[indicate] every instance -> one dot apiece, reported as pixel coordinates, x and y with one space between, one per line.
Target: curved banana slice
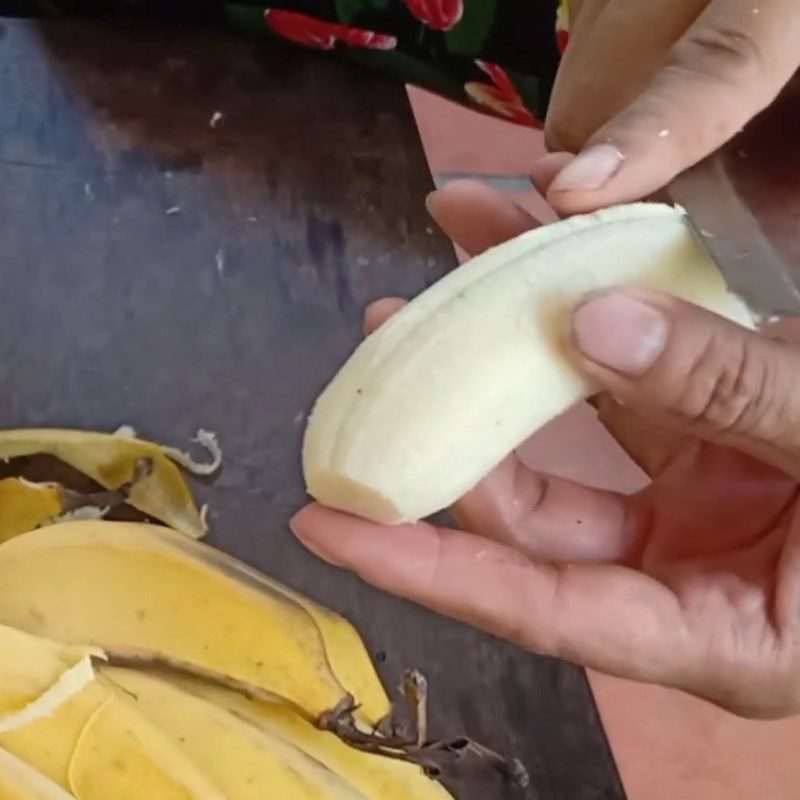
460 377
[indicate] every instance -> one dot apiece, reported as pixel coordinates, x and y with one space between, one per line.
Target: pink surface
672 747
483 144
668 746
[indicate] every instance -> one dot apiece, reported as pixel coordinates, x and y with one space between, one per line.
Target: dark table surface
164 273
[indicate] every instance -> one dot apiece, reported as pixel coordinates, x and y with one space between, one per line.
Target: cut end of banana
341 493
433 400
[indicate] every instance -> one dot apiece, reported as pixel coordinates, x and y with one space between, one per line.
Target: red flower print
438 14
502 97
318 33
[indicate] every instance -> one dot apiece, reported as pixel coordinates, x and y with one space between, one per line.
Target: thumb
729 65
694 371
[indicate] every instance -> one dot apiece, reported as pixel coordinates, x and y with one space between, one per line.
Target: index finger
606 617
730 64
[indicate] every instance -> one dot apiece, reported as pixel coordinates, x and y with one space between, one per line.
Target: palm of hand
718 563
693 582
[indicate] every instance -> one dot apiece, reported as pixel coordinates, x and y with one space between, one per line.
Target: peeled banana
461 376
146 593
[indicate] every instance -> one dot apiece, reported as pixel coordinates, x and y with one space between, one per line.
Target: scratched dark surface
164 273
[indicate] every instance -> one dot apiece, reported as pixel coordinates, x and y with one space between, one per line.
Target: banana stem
394 737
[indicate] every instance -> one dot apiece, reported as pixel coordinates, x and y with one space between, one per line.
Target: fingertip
397 559
452 199
379 311
326 533
545 169
301 524
476 216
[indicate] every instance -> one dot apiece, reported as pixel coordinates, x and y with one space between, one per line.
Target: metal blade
733 238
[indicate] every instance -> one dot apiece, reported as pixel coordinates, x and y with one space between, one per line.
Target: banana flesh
465 373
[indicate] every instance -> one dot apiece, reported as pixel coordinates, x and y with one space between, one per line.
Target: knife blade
731 235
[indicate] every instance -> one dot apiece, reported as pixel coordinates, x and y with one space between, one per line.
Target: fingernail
591 169
620 332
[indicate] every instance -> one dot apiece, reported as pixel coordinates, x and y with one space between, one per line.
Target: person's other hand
694 582
646 89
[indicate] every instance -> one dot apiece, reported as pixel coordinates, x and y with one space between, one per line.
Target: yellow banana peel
145 592
347 655
120 754
19 781
245 762
76 729
114 460
344 649
37 675
25 505
375 776
225 683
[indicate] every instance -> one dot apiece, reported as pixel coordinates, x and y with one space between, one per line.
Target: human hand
647 89
693 582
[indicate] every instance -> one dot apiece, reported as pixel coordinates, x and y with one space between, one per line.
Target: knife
731 235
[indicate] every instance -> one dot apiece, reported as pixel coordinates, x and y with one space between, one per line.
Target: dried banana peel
245 762
80 732
145 592
25 506
460 377
115 461
376 777
19 781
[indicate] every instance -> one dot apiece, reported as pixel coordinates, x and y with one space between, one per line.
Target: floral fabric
499 56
